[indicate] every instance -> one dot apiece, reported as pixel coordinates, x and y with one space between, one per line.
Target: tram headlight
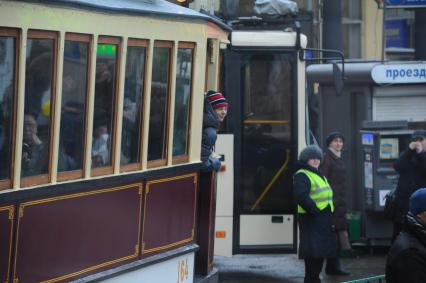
184 3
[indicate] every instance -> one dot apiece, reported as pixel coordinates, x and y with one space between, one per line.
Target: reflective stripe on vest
320 193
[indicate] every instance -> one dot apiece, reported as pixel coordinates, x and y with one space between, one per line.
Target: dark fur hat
310 152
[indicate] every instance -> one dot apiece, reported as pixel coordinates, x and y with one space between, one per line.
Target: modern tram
100 137
264 80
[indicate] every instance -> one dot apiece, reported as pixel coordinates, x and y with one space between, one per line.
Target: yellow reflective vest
320 193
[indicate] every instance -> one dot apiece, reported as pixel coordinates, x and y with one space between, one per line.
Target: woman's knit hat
418 201
216 99
332 136
310 152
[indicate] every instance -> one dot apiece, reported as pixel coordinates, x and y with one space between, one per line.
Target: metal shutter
399 103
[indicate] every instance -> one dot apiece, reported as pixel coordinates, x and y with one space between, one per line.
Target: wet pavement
288 268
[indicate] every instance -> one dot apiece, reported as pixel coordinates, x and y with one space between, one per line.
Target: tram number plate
182 270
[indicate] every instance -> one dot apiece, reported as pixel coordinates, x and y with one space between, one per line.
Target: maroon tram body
94 226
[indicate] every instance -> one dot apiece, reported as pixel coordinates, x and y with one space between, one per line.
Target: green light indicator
107 49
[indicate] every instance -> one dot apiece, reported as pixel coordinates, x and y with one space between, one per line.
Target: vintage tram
100 136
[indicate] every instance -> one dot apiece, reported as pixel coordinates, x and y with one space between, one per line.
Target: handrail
266 121
269 186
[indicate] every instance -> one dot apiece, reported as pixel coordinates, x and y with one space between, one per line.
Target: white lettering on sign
399 74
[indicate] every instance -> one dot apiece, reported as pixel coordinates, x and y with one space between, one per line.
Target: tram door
261 89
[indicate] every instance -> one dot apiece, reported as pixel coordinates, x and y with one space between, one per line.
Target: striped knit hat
216 99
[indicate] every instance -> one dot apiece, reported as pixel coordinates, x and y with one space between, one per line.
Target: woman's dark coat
406 261
333 167
210 127
317 237
412 176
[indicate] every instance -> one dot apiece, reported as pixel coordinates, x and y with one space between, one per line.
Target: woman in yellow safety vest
314 199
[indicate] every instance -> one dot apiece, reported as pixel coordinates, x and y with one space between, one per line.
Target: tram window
7 94
182 99
39 79
105 89
268 76
266 136
157 137
74 97
133 103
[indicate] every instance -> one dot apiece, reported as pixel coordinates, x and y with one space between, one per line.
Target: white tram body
265 81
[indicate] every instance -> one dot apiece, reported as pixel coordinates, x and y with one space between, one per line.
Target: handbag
343 240
390 205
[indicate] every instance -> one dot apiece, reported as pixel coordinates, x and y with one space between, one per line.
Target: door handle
277 219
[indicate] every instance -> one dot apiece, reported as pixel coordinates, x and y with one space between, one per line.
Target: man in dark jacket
215 110
407 257
411 166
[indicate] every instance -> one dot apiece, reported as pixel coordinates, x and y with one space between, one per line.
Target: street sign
399 73
405 3
397 33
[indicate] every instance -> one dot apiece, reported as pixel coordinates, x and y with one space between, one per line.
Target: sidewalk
288 268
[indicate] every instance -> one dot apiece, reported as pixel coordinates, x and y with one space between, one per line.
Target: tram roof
138 7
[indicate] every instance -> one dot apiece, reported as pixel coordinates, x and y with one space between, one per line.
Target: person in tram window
5 125
32 147
314 199
70 141
6 95
411 166
333 168
406 261
215 110
100 143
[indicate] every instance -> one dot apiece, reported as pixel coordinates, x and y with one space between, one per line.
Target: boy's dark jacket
210 127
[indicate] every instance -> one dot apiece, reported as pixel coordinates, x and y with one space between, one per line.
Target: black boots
333 267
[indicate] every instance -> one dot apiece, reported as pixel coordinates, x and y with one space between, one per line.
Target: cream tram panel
119 105
225 193
25 16
60 58
146 104
267 38
172 102
260 230
20 110
302 132
179 269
